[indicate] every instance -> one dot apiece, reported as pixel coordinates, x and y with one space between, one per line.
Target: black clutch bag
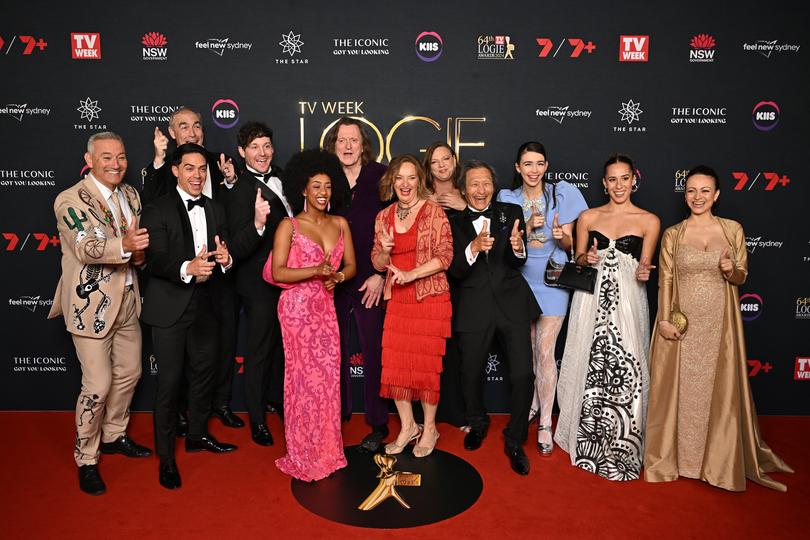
570 275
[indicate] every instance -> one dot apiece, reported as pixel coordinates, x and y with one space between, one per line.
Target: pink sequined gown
306 311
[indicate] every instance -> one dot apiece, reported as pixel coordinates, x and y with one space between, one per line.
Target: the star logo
89 109
492 363
291 43
630 111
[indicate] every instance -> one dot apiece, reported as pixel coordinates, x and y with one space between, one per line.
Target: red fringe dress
414 332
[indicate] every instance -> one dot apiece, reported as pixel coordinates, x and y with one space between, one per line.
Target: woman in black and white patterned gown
602 389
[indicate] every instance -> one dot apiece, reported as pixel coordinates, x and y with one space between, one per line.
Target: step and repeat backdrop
673 86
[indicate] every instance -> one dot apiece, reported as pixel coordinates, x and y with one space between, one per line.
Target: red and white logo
702 48
29 43
771 181
634 48
85 45
802 371
154 46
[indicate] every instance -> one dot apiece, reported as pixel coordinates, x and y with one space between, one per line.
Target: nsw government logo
702 48
558 113
85 45
765 115
492 47
751 306
154 46
803 307
225 113
356 366
428 46
634 48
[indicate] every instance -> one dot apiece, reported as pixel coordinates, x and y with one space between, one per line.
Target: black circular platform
450 485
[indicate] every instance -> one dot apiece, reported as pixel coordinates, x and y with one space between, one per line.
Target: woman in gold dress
701 421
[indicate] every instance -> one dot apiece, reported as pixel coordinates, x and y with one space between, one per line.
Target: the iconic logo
680 180
85 45
18 111
429 46
577 45
40 364
634 48
765 115
41 241
558 113
754 242
27 178
495 48
89 109
370 46
773 179
151 113
154 46
803 307
751 306
29 43
579 179
802 370
702 48
218 46
767 47
225 113
698 115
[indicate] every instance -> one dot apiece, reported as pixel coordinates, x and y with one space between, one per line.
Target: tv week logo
634 48
85 45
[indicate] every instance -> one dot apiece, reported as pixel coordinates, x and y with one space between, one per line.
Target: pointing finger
202 251
259 195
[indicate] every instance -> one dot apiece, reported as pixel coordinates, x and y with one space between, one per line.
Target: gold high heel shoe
424 451
393 448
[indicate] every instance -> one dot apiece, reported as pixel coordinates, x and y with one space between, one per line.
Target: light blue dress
569 205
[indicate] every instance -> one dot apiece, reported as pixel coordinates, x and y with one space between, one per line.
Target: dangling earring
329 206
605 190
635 187
305 204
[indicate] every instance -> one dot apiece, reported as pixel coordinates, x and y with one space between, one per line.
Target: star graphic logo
630 111
89 109
492 363
291 43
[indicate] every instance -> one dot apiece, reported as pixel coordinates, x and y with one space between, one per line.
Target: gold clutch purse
679 320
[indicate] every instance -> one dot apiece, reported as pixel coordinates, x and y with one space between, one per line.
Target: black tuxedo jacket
250 251
171 243
159 182
494 278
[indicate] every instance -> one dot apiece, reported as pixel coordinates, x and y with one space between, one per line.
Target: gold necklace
404 211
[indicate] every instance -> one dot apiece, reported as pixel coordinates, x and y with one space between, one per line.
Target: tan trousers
111 367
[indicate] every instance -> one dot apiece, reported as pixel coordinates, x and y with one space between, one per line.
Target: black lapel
185 225
210 223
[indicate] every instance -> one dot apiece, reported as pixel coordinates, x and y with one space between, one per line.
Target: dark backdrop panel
50 103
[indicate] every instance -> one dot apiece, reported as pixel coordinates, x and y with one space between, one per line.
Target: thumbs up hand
725 264
262 210
556 229
592 256
136 239
643 269
516 238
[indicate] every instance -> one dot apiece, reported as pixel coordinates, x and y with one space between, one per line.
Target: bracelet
342 277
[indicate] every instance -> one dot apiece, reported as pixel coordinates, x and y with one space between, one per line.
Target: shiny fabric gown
602 389
702 422
306 311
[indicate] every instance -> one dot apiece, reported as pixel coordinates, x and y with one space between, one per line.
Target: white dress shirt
274 183
199 229
478 224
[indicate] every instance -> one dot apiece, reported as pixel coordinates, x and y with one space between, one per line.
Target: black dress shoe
275 407
125 445
168 475
473 439
226 416
373 441
90 480
209 443
517 458
182 425
261 435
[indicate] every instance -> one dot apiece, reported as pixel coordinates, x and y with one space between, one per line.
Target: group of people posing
428 264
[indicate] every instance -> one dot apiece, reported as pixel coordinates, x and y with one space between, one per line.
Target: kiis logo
154 46
29 44
702 48
765 115
225 113
774 180
429 46
751 306
85 45
634 48
803 307
577 46
802 369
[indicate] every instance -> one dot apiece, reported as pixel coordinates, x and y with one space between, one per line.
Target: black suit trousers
264 362
228 306
188 346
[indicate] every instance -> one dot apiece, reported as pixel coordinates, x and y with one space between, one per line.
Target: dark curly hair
303 166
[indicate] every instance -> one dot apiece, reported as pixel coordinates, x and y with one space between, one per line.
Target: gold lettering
406 120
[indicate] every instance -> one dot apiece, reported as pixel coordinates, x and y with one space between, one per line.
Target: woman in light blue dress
550 210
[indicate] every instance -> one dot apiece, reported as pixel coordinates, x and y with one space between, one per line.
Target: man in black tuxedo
493 301
179 304
256 205
185 126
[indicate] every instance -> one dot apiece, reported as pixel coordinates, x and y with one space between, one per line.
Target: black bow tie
263 177
199 202
475 215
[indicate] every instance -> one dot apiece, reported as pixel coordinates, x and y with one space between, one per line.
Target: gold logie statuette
389 480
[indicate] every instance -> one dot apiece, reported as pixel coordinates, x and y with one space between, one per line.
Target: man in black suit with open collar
188 255
494 301
256 205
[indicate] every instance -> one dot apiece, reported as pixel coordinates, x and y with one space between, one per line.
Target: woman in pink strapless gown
307 252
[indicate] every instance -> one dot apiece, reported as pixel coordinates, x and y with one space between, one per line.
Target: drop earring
635 187
305 204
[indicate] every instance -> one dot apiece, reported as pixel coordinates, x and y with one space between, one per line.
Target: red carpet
243 495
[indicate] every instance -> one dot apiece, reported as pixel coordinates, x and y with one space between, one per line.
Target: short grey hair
102 136
182 110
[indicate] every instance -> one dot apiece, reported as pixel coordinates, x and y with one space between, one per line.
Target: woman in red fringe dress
413 242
